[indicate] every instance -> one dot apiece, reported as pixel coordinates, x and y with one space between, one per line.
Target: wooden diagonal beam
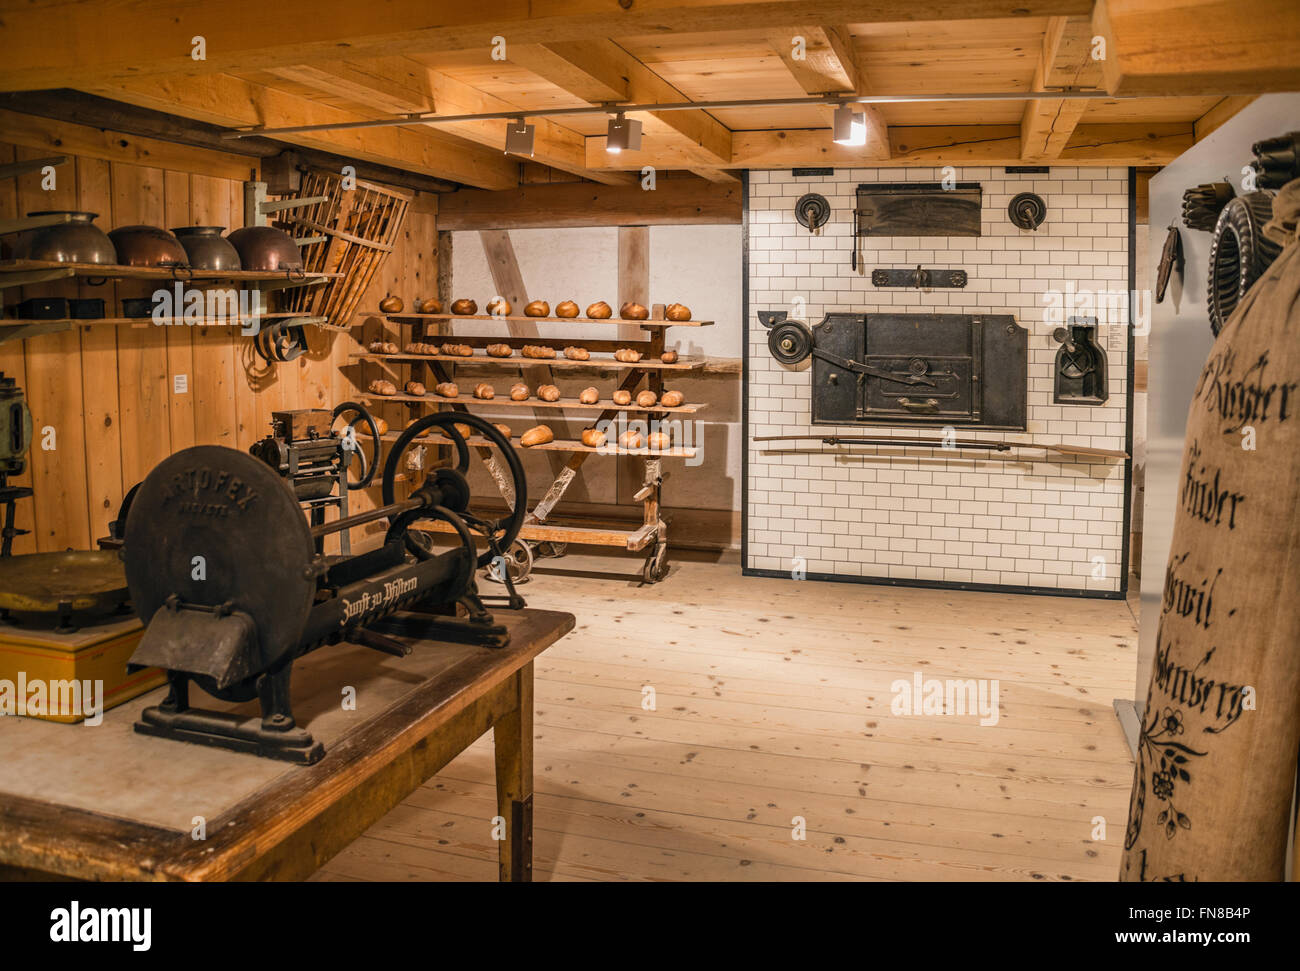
1065 63
393 84
221 99
50 45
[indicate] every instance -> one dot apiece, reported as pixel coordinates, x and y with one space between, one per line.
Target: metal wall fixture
812 211
921 278
1027 211
1080 367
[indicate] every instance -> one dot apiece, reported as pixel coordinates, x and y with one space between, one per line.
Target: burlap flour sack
1221 731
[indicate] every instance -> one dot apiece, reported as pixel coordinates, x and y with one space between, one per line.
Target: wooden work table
106 803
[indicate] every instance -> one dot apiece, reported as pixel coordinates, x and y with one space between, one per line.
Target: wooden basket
360 226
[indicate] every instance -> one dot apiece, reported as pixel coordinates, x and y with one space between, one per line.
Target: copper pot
207 249
266 248
77 241
148 246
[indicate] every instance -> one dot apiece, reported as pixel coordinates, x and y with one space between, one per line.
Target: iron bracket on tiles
921 278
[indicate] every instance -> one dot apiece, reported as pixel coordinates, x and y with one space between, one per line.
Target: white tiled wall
933 515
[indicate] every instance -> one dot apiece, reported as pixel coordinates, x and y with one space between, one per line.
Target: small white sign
180 384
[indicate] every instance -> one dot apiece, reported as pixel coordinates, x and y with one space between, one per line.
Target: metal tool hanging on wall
1240 252
812 212
1171 262
1277 160
1202 204
1027 211
1080 367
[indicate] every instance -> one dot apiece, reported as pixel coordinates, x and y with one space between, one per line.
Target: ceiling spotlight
519 137
623 134
850 126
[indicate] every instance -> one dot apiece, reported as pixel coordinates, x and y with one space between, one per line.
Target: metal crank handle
928 405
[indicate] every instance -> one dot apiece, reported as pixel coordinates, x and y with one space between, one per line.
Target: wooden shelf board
633 540
413 318
559 445
571 404
116 271
515 361
166 321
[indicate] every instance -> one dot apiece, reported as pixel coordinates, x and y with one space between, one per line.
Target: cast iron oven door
908 369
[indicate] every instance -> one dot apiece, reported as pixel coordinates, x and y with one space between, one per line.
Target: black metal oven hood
968 370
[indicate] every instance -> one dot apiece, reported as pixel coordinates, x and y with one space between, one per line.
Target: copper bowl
266 248
77 241
207 249
148 246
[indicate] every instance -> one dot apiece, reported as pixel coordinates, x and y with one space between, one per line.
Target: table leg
513 737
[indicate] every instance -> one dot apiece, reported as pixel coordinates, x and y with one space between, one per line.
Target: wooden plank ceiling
1178 60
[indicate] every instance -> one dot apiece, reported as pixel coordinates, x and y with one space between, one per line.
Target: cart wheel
552 549
656 564
518 563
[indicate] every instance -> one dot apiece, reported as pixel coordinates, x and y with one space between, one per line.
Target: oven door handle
868 370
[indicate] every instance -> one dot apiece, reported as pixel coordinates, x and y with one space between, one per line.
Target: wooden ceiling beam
1066 63
822 61
78 45
228 101
593 70
1199 47
393 84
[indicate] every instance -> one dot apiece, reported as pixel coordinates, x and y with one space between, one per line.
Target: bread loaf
577 353
430 306
499 350
599 310
538 351
464 308
537 308
622 397
668 357
630 439
391 304
457 350
519 392
484 392
421 434
548 392
381 387
566 308
503 429
499 307
379 424
659 440
465 430
627 355
633 311
383 347
593 437
415 388
536 436
447 390
645 399
589 396
677 311
672 399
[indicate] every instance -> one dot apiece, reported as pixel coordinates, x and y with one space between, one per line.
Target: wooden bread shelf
415 318
164 322
569 404
11 270
516 361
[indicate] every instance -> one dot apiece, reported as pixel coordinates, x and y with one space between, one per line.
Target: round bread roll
391 304
627 355
423 434
645 399
447 390
537 308
381 387
415 388
677 311
622 397
536 436
484 392
430 306
566 308
659 440
593 437
465 430
548 392
630 439
519 392
588 396
499 350
577 353
668 357
672 399
599 310
380 424
464 308
503 429
633 311
499 307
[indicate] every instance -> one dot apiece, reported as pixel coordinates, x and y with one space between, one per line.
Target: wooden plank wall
108 392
